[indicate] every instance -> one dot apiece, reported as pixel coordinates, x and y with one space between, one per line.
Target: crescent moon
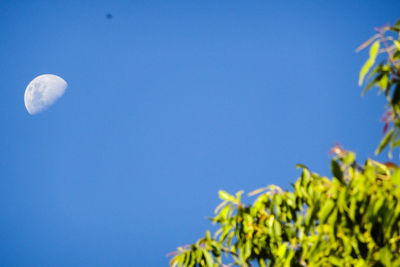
43 91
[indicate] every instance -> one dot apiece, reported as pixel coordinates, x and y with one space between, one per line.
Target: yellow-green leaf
326 210
396 176
373 52
225 196
397 43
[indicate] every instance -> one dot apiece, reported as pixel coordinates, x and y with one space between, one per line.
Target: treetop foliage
385 76
351 219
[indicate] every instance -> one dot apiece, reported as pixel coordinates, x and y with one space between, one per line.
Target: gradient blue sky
168 102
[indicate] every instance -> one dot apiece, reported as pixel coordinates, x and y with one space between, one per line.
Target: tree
352 219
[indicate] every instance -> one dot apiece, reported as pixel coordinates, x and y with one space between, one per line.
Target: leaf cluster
385 76
350 219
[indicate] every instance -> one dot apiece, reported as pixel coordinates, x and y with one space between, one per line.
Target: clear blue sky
168 102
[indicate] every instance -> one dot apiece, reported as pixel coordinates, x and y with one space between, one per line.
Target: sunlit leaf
396 177
326 210
373 52
209 258
225 196
397 43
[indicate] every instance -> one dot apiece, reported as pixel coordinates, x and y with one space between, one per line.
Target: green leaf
336 170
225 196
181 259
229 239
208 235
326 210
247 249
373 52
209 258
381 168
396 144
396 177
277 229
335 261
377 206
220 206
383 82
349 158
239 195
301 166
188 256
352 209
397 43
224 212
385 256
384 142
261 262
370 85
282 250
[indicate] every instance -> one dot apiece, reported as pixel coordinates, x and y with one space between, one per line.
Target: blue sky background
167 103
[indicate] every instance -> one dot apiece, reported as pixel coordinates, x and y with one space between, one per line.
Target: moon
43 91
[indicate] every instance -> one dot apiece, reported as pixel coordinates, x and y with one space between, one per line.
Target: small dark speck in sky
109 16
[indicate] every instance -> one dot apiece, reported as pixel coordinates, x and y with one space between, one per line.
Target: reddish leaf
385 128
